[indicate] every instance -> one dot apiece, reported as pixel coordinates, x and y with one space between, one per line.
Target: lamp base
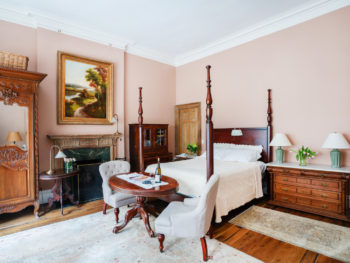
335 158
51 171
279 155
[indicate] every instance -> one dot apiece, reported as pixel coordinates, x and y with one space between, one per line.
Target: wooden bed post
269 126
141 160
209 128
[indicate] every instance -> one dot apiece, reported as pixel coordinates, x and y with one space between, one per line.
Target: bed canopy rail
269 126
209 127
140 120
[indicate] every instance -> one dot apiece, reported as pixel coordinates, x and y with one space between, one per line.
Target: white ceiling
170 31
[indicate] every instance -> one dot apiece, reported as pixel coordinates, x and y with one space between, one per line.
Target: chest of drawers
315 189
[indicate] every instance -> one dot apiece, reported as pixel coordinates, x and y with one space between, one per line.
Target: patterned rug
90 239
324 238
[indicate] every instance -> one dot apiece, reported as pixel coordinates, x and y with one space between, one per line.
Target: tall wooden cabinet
19 162
155 144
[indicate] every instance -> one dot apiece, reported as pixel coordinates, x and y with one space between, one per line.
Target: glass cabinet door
160 137
147 135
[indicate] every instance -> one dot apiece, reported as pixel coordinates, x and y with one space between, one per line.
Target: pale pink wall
48 43
41 46
20 40
158 82
306 66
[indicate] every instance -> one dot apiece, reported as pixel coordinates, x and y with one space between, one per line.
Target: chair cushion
118 199
173 208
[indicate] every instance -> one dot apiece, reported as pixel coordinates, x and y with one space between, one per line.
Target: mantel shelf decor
88 141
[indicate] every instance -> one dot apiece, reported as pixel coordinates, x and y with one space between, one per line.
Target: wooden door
187 126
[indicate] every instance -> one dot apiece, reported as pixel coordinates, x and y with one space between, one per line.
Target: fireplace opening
87 185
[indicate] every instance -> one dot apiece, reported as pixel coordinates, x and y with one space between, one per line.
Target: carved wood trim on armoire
19 168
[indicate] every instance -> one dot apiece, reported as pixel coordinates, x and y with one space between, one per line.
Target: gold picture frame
84 90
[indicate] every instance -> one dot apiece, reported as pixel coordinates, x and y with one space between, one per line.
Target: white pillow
235 155
240 155
258 148
219 154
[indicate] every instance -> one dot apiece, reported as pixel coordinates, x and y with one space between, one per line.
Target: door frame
177 124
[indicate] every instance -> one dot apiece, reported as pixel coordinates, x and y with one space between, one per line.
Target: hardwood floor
257 245
267 248
23 220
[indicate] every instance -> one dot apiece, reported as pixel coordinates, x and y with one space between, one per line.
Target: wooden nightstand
317 189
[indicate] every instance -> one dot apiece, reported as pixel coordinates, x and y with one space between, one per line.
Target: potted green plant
192 148
302 154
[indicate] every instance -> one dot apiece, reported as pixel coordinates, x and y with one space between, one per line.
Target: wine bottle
158 172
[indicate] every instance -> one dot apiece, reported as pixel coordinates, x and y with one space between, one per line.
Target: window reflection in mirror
14 125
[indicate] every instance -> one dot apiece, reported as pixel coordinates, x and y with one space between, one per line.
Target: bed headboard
251 136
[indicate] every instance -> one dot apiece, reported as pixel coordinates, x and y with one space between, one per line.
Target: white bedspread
239 182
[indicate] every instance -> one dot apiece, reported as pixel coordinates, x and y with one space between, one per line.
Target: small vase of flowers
192 148
302 154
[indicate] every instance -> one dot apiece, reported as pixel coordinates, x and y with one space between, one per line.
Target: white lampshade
114 118
236 132
60 154
336 140
280 139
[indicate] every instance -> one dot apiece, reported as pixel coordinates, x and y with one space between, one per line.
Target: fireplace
89 151
87 185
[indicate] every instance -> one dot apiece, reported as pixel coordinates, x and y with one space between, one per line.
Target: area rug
324 238
90 239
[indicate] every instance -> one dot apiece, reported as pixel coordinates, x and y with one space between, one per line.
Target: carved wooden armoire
19 158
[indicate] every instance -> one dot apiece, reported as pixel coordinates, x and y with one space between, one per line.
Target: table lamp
280 139
59 155
335 141
13 137
236 132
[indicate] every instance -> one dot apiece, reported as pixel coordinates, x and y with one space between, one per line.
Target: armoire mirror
14 125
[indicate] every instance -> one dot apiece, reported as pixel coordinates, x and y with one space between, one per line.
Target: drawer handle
285 198
324 195
285 179
324 184
324 206
285 189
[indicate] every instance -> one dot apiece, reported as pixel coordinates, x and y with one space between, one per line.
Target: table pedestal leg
139 208
61 199
60 184
69 196
55 197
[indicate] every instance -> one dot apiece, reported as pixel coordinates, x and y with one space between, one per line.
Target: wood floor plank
287 253
309 257
266 249
325 259
225 231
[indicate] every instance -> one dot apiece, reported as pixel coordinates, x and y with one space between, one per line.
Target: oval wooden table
125 187
58 176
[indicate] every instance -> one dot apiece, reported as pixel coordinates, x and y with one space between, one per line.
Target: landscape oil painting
84 90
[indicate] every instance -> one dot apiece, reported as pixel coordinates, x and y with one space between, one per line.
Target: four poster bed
240 182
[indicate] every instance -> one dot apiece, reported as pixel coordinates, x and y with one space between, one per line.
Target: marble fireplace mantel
88 141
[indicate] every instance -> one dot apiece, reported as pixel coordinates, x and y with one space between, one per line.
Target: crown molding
277 23
35 18
150 54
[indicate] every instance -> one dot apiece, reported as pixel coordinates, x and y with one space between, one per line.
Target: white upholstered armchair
191 218
111 197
